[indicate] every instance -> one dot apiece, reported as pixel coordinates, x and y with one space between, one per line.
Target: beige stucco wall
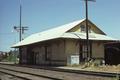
58 55
61 50
71 48
98 50
58 51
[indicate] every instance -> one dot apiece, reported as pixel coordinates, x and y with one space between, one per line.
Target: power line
6 33
22 30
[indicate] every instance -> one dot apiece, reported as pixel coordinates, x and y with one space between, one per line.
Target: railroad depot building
63 45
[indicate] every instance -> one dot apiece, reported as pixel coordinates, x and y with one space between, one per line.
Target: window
89 28
83 28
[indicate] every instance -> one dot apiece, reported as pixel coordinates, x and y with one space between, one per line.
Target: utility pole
20 52
21 30
20 21
87 29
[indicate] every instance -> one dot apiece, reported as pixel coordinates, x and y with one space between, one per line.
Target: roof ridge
62 26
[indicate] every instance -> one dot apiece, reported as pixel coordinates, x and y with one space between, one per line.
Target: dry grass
93 66
113 69
107 68
98 66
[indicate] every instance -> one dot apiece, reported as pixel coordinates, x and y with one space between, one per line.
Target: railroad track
22 76
94 73
25 75
59 74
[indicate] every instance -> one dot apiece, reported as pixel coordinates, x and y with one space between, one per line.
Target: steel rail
14 75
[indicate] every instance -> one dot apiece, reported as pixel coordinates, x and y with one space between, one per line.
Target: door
32 58
80 52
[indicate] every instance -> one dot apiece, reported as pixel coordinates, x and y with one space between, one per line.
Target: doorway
112 53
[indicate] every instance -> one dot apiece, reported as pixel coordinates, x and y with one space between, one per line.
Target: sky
40 15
